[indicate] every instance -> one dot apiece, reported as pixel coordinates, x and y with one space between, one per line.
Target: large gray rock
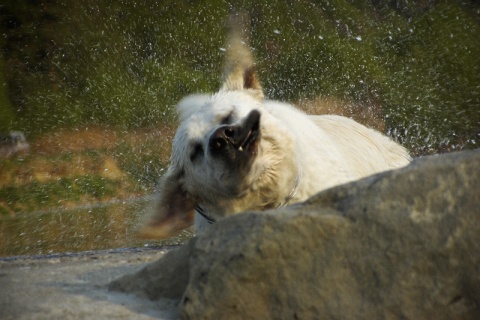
399 245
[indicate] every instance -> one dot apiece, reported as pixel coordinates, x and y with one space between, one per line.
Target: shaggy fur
235 152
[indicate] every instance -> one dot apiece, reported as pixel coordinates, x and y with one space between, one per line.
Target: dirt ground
74 286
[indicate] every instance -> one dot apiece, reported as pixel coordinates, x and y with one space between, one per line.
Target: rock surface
402 244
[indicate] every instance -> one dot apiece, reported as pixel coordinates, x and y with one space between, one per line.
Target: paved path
73 286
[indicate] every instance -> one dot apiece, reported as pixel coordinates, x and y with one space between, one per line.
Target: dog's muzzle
233 141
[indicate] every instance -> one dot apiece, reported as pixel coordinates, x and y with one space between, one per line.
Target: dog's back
364 150
355 148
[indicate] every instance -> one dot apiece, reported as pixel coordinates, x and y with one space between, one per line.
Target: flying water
93 87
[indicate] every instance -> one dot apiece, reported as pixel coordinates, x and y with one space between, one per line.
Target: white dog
236 152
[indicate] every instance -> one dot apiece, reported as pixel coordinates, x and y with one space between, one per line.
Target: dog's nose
238 137
221 137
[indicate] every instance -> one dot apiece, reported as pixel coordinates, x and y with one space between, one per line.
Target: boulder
404 244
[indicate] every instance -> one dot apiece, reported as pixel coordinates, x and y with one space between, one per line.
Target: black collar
292 194
201 212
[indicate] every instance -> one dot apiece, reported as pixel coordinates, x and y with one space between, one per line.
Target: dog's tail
240 72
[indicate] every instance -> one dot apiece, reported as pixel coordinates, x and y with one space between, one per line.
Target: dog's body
235 152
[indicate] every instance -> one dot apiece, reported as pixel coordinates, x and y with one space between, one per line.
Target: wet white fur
318 151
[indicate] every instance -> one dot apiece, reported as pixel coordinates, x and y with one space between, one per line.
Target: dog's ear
243 78
240 72
173 211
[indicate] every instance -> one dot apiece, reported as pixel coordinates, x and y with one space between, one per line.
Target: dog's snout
253 120
236 138
221 137
228 132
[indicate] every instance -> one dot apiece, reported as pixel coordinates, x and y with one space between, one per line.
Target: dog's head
226 153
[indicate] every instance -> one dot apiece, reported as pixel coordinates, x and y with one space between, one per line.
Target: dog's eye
227 119
196 152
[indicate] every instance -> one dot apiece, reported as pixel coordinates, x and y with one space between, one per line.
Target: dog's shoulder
340 127
366 150
286 113
282 108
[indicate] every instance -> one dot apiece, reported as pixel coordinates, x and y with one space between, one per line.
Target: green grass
142 164
39 181
127 64
35 195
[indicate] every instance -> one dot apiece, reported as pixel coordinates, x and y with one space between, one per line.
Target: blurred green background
126 63
93 85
